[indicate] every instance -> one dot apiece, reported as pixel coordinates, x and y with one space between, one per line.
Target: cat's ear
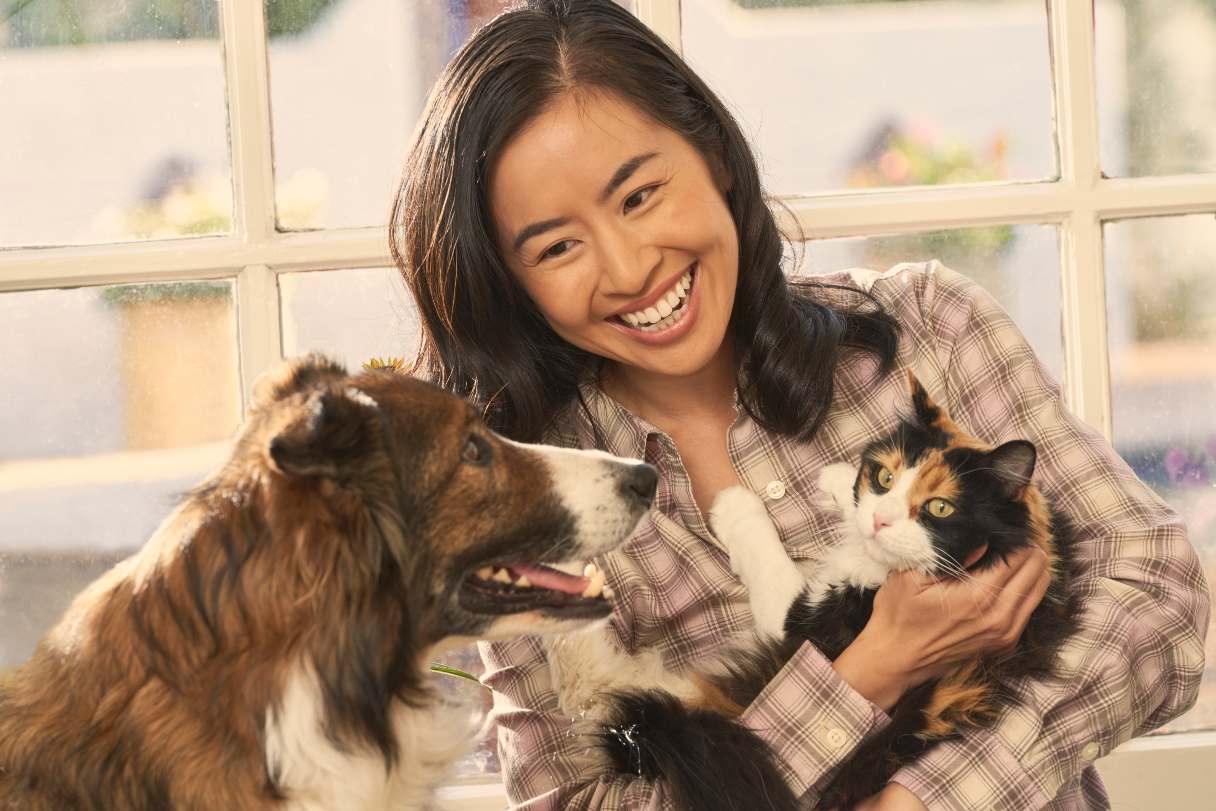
1013 465
929 413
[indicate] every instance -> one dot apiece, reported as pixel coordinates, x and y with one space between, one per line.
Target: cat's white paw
836 487
733 512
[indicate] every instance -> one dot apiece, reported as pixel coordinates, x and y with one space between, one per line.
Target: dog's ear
333 430
294 376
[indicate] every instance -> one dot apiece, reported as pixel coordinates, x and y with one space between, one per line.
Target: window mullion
249 119
258 324
925 209
1083 299
663 17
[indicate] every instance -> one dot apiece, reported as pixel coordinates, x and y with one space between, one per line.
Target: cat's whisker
953 567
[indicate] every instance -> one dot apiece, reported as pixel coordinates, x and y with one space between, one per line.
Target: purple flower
1186 467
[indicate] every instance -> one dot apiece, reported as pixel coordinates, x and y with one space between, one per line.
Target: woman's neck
665 400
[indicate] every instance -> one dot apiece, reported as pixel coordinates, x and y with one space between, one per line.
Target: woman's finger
971 559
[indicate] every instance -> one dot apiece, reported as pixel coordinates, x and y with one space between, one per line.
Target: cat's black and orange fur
997 504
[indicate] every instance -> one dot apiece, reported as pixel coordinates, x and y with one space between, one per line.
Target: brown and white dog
268 648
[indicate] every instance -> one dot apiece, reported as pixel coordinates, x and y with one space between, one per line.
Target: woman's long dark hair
482 337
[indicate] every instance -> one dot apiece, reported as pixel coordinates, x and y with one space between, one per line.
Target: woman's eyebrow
623 172
529 231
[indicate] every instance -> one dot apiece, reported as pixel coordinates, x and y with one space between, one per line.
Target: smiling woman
606 273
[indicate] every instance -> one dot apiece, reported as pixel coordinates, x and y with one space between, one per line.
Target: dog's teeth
523 582
596 587
590 569
608 593
502 576
485 572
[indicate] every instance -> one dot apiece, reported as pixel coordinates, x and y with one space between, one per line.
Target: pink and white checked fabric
1134 663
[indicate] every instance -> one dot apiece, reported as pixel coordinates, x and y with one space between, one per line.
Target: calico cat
926 498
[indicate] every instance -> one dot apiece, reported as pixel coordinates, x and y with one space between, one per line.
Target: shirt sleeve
808 715
1137 656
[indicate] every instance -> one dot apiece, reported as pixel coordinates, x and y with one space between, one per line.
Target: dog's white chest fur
317 776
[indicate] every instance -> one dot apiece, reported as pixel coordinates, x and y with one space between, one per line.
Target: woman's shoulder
918 295
906 285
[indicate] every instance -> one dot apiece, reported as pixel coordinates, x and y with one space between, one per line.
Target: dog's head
490 536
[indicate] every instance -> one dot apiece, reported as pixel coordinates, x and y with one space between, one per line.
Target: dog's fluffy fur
268 647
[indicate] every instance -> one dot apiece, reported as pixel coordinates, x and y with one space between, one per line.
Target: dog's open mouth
517 587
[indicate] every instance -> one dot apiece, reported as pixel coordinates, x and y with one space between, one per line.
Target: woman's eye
557 249
885 478
638 197
940 508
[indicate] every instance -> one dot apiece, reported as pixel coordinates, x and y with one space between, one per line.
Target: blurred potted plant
915 156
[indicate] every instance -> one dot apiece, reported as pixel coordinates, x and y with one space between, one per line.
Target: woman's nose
628 262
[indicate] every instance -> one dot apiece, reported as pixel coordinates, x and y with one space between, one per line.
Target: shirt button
1090 751
775 489
834 738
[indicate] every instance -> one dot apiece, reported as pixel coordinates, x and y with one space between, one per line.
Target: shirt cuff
976 773
811 718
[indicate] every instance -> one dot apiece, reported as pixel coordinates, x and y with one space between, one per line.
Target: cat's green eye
940 508
885 478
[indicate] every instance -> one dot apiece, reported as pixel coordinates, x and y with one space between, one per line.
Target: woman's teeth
666 312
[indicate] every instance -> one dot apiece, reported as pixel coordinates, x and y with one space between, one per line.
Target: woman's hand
921 627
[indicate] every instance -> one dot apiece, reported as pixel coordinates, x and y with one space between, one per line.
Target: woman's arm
1137 656
811 719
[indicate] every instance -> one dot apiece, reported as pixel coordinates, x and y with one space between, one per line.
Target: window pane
1018 264
116 400
1161 304
857 94
350 315
117 127
1156 86
348 81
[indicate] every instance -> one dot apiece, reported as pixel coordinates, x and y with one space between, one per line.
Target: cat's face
929 495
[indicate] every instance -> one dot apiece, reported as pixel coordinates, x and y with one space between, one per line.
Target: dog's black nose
639 482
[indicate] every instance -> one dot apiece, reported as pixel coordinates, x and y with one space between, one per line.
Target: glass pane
117 124
116 400
349 78
1018 264
859 94
1161 304
1156 86
350 315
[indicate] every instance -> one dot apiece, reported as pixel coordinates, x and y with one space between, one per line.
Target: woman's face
616 228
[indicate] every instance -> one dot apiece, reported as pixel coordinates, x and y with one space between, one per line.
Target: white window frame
1078 203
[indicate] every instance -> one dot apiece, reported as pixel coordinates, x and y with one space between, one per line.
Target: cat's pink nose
880 522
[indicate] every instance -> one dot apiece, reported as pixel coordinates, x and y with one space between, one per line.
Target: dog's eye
476 451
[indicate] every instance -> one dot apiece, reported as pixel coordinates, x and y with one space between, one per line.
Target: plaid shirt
1134 662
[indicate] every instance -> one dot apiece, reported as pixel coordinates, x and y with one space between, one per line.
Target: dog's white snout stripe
606 494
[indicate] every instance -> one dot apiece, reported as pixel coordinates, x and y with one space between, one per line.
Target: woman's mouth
658 321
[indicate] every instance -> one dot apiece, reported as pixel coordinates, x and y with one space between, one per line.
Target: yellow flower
385 364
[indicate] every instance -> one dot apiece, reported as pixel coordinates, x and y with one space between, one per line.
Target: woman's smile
666 315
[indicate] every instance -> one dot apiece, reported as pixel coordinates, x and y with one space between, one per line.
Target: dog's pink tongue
547 578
